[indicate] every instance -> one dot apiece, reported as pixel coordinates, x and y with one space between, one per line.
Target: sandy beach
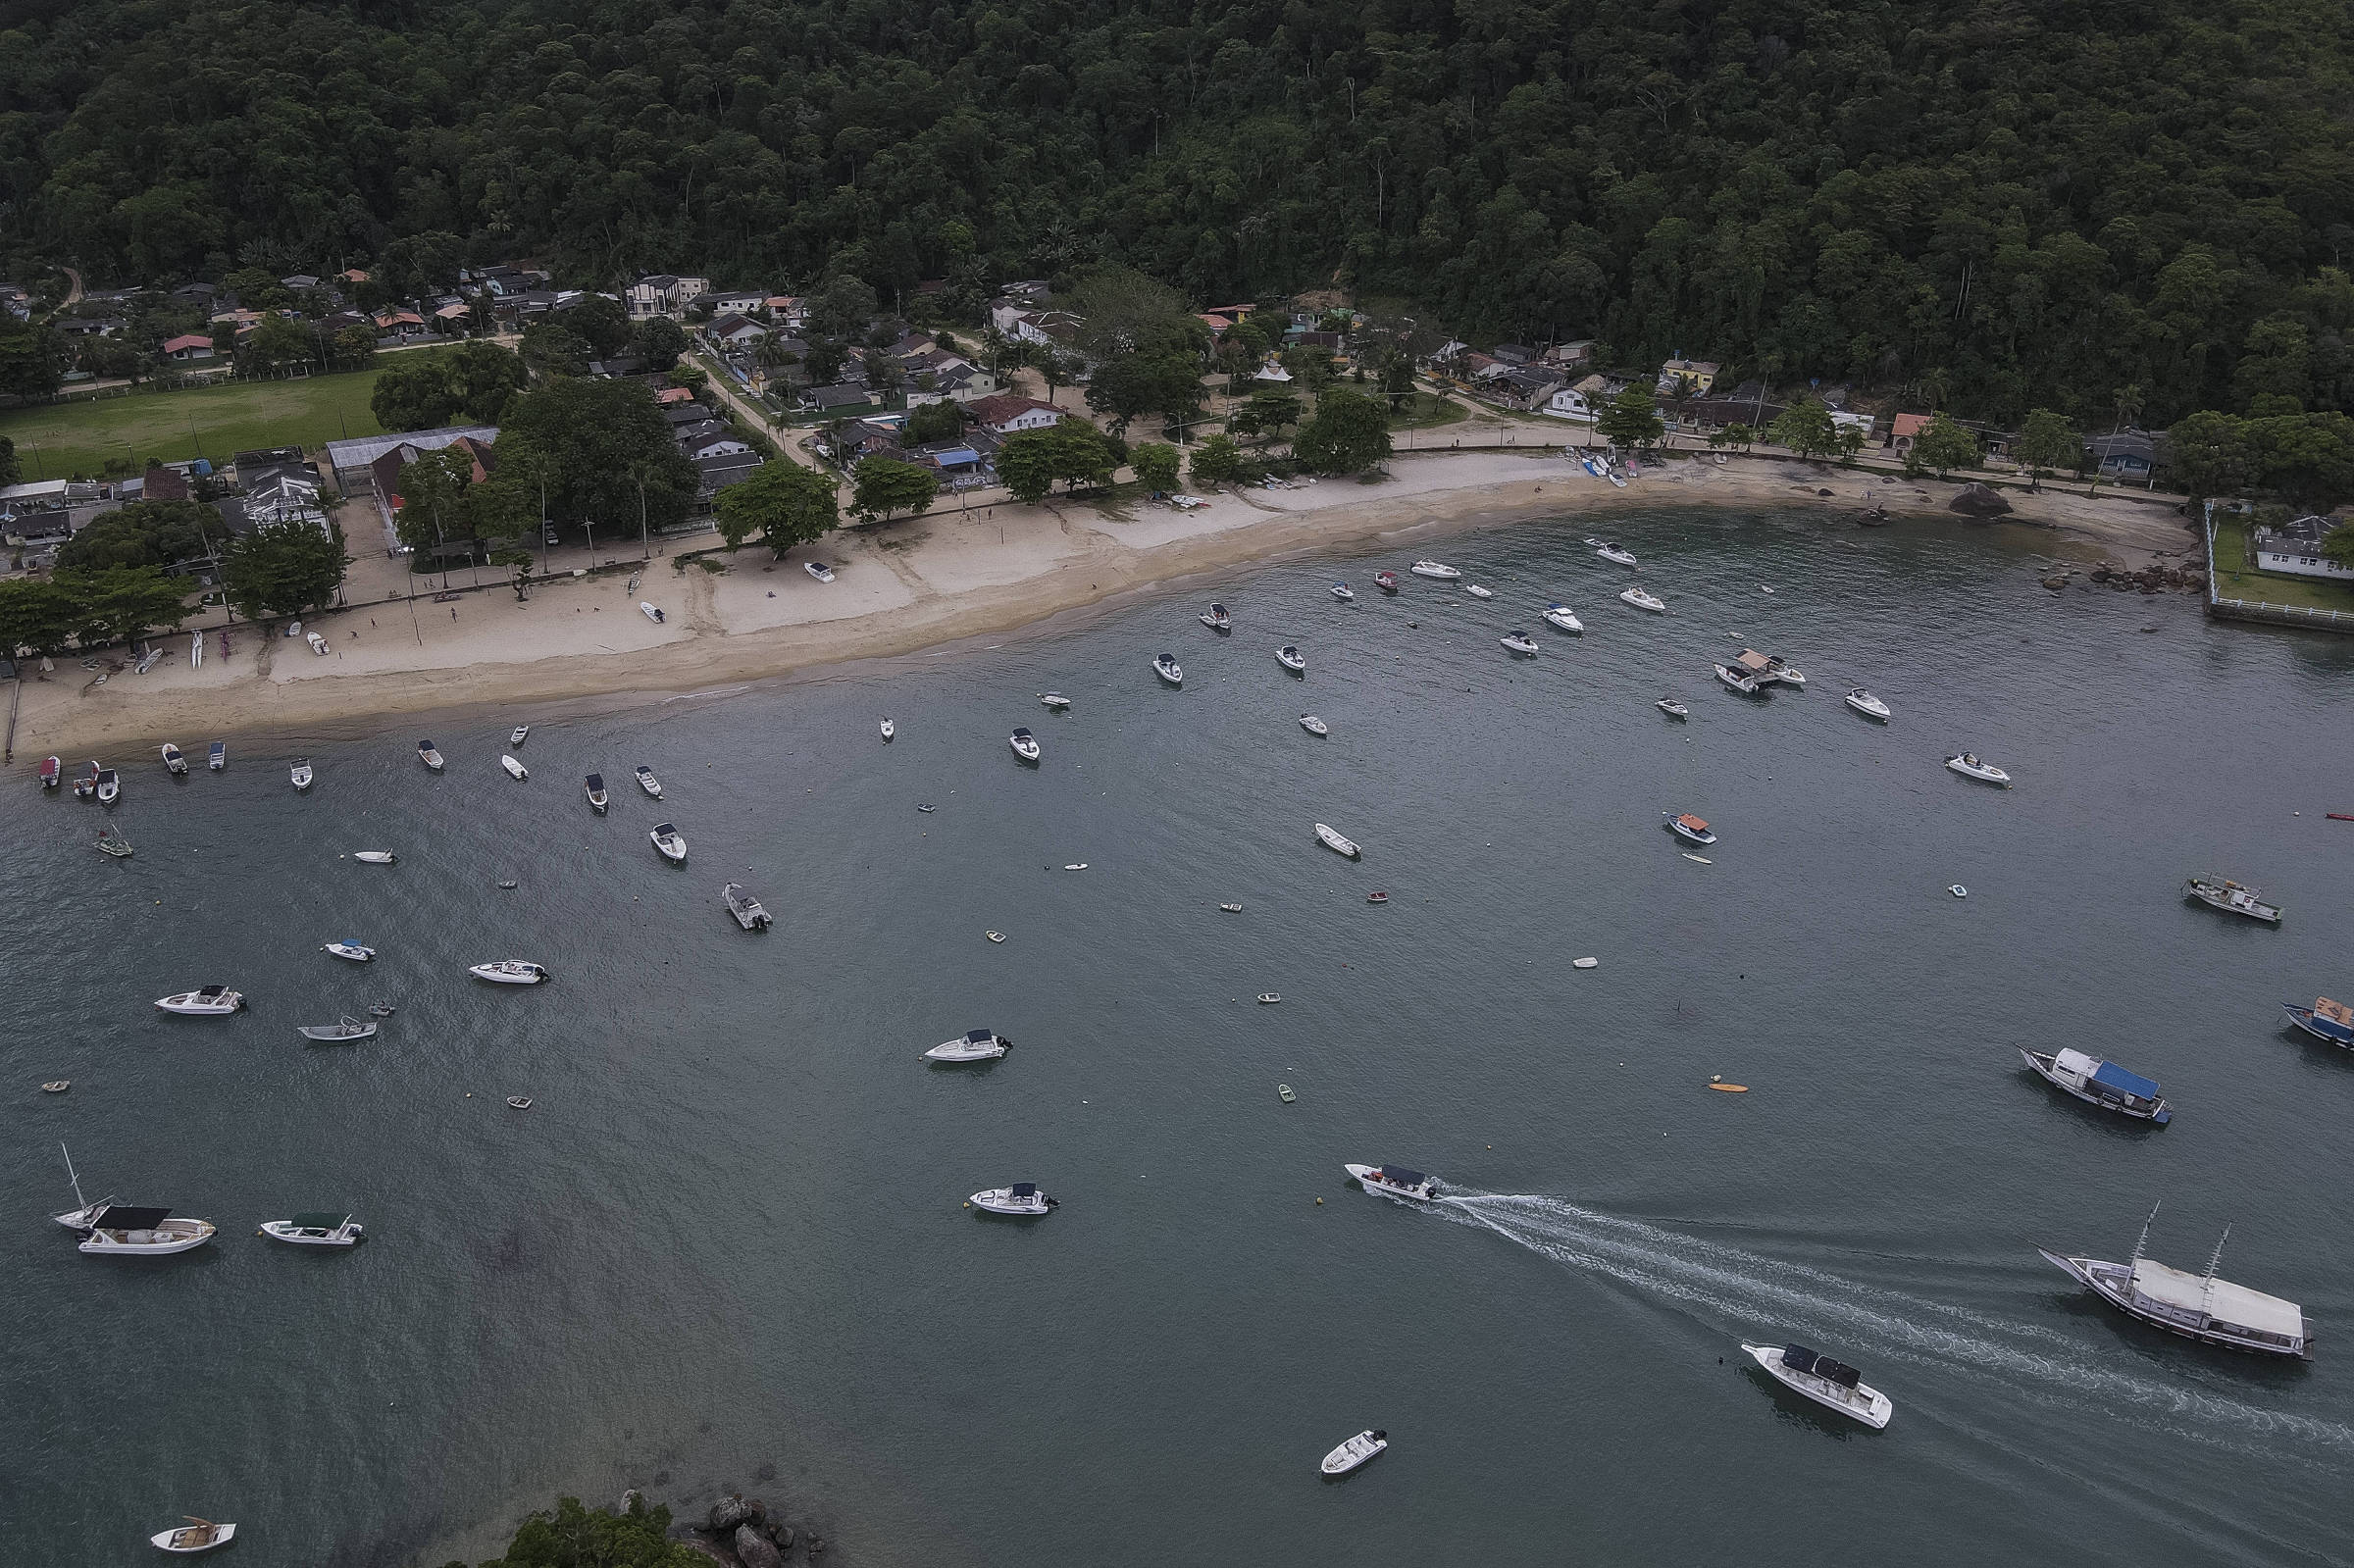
912 585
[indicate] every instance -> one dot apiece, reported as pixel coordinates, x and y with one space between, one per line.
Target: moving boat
110 786
373 857
197 1535
322 1227
343 1031
1672 708
1292 659
818 569
889 730
976 1046
85 1214
1690 826
2196 1306
1022 1199
2102 1083
206 1001
1478 593
515 770
651 613
217 756
2232 898
648 782
510 972
1314 725
2324 1020
1395 1181
52 771
1025 744
668 840
1357 1452
1054 700
520 735
300 773
175 761
429 756
1562 615
1434 569
745 907
1216 619
1521 642
1969 767
1612 552
112 842
351 951
1333 840
144 1232
1740 681
1644 601
1870 706
1165 666
1825 1381
595 785
1387 582
1343 592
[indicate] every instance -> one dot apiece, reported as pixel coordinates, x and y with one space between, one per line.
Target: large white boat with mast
2196 1306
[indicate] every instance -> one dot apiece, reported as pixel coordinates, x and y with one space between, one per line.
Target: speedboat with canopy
429 756
1612 552
1022 1201
1343 592
2324 1020
175 761
1644 601
974 1045
1434 569
1025 744
1521 642
670 842
1829 1383
510 972
1387 582
1216 619
1870 706
598 800
110 785
144 1232
2102 1083
1395 1180
321 1228
1690 826
2196 1306
52 769
216 756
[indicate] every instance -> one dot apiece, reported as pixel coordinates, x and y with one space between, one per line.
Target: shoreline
912 585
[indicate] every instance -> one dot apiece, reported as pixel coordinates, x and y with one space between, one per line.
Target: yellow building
1689 377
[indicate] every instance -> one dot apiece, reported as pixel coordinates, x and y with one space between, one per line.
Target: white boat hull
650 785
1434 569
1643 601
672 849
1864 1402
373 857
1314 725
172 1236
1354 1454
1564 621
1173 674
195 1004
1002 1201
1982 772
206 1541
286 1231
1370 1178
515 770
1870 706
509 972
1334 841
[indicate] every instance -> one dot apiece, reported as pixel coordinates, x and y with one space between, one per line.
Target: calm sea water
728 1233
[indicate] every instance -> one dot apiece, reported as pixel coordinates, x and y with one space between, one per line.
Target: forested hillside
2018 202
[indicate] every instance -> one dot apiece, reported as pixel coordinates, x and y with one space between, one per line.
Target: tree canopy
604 447
158 533
283 569
782 503
1348 434
427 390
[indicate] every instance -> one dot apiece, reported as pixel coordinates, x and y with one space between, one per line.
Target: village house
728 301
1573 403
1567 355
188 348
1524 390
371 465
1009 413
1904 430
2297 548
1683 378
662 294
720 470
2126 454
734 330
838 396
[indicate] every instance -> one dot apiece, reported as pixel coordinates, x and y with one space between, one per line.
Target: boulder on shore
1976 500
730 1513
754 1549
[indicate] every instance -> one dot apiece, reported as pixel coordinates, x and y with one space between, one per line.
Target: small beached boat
510 972
648 782
345 1030
818 569
1332 839
321 1227
1672 708
669 843
1292 659
143 1233
515 770
594 787
1826 1382
1021 1200
973 1045
1395 1180
1434 569
197 1535
1165 666
1521 642
1870 706
1969 767
206 1001
300 774
2325 1020
651 613
745 907
1643 601
1690 826
1562 615
1025 744
429 756
175 761
2099 1083
88 784
1359 1452
351 951
2217 892
1314 725
1216 619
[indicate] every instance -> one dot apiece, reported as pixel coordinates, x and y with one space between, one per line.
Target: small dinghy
1958 890
1377 898
667 841
1672 708
1314 725
1054 700
995 935
1359 1452
1216 619
1643 601
818 569
57 1086
1826 1382
510 972
429 756
1283 1093
1521 642
1231 909
651 613
1332 839
322 1227
300 773
345 1030
889 730
648 782
144 1232
215 757
2099 1083
2217 892
175 762
515 770
112 842
1690 828
519 1102
1165 666
745 907
1022 1201
52 771
1343 592
197 1535
2325 1020
1434 569
1292 659
1969 767
1870 706
1395 1181
595 785
373 857
207 1001
351 951
1562 615
381 1009
973 1045
1478 593
519 734
1025 744
1387 582
1612 552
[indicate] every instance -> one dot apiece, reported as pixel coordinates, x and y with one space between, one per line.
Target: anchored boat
52 771
1612 552
2324 1020
324 1228
429 756
595 785
144 1232
648 782
2216 892
197 1535
1521 642
1333 840
974 1045
207 1001
1166 667
1828 1382
217 756
1025 744
1314 725
1217 619
510 972
1022 1201
1870 706
2102 1083
515 770
670 842
175 761
1562 615
1359 1452
1969 767
2196 1306
1644 601
745 907
345 1031
1434 569
1387 582
1690 826
1292 659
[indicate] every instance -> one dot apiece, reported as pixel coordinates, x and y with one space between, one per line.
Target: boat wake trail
1763 1291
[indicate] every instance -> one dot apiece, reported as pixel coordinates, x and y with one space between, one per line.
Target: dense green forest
2135 208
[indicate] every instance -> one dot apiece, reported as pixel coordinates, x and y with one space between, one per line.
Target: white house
1009 413
1863 424
1571 403
662 294
2297 548
719 302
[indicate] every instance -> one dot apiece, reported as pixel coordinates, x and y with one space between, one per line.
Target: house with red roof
188 347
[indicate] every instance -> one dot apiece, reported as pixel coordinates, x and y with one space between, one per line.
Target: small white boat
109 786
1268 998
667 840
324 1228
144 1232
521 1102
2218 892
197 1535
207 1001
373 857
1434 569
745 907
818 569
217 756
429 756
1357 1452
1521 642
1870 706
1333 840
1022 1199
974 1045
1292 659
651 613
1644 601
1314 725
2102 1083
351 951
1478 593
515 770
1612 552
318 643
345 1030
510 972
1561 615
1025 744
1672 708
1165 666
519 734
175 762
594 787
648 782
1216 619
300 773
1826 1382
1343 592
1690 828
1395 1181
1740 681
53 771
888 729
1054 700
1969 767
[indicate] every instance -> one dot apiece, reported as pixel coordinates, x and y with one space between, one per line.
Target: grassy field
2235 580
62 440
1426 411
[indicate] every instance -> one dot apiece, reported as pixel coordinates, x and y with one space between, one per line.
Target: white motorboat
510 972
1022 1201
1644 601
648 782
1343 592
429 756
1690 828
1478 593
1612 552
324 1228
1165 666
2220 893
1357 1452
1969 767
519 734
1025 744
1332 839
88 784
1216 619
1829 1383
651 613
215 757
974 1045
1434 569
345 1031
1292 659
1870 706
85 1215
745 907
374 857
1740 681
175 762
515 770
818 569
2196 1306
2099 1083
1314 725
144 1232
1054 700
300 773
207 1001
595 785
318 643
351 951
1521 642
1672 708
110 785
52 771
1395 1181
672 844
888 729
1561 615
197 1535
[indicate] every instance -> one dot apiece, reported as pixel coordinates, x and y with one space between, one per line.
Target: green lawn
62 440
1426 411
2235 580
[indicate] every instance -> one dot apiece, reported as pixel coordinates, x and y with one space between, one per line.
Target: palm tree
2128 405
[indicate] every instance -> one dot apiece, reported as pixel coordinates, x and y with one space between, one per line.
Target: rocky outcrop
2149 579
755 1550
730 1513
748 1532
1976 500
